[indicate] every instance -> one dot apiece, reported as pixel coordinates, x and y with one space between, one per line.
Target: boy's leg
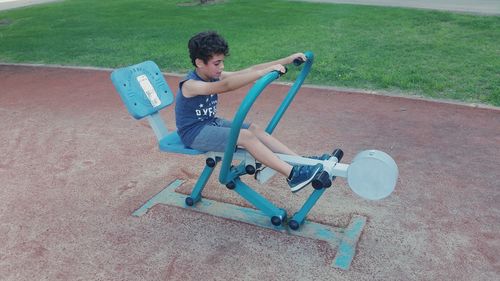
298 176
262 152
276 146
271 142
214 138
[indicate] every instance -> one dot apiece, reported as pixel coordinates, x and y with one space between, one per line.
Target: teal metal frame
230 176
130 91
127 82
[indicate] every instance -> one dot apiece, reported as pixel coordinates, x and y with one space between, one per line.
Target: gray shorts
214 137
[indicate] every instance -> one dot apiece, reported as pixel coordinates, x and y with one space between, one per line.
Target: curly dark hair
206 44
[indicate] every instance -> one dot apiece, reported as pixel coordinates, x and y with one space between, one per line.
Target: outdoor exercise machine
142 87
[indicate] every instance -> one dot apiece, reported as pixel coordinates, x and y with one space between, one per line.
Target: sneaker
302 175
322 157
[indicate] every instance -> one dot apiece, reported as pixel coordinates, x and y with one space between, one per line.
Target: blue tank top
193 113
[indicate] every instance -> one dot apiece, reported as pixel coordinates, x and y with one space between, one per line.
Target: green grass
435 54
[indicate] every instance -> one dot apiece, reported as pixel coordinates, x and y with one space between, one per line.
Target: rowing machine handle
298 61
282 73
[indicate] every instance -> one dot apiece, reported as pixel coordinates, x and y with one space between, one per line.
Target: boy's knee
255 128
246 137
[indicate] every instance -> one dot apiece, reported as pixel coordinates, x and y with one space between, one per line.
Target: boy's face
213 68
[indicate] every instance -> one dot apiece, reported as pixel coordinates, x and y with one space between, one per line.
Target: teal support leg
278 216
200 184
299 217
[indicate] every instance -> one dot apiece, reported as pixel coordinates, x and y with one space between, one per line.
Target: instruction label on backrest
149 90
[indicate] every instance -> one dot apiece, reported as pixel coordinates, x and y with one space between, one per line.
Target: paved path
74 166
11 4
487 7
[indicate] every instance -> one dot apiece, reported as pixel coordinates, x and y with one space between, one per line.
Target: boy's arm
193 88
282 61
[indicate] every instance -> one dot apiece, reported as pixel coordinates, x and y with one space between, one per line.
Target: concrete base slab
344 239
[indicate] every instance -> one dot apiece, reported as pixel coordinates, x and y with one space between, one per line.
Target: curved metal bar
291 93
226 175
239 117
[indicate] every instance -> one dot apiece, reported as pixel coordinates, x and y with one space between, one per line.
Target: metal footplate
371 175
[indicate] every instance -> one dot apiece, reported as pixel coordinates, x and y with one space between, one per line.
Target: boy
196 108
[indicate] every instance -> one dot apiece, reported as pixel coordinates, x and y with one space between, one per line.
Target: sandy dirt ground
74 166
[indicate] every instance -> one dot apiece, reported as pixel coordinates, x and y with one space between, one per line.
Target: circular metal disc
372 174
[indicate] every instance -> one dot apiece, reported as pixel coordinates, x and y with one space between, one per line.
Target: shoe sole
306 182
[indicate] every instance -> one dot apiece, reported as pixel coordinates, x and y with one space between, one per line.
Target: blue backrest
142 88
145 92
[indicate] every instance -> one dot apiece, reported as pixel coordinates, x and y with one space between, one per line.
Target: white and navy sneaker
302 175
